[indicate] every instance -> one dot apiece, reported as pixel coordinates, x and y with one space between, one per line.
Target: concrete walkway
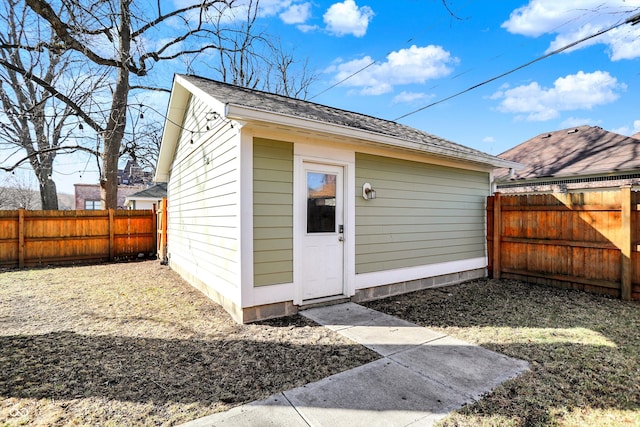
422 376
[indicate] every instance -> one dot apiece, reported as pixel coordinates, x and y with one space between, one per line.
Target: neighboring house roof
245 104
157 191
580 151
636 135
150 195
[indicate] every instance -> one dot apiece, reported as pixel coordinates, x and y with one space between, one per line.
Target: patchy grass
132 344
583 350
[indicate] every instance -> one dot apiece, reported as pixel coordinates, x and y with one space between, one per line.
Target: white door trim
299 219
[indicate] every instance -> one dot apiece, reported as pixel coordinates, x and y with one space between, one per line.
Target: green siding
423 214
272 212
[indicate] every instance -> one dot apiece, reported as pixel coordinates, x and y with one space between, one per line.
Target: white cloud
581 91
409 97
347 18
488 139
629 131
572 20
296 14
405 66
624 130
307 28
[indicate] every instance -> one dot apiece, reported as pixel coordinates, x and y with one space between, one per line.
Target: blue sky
424 54
417 53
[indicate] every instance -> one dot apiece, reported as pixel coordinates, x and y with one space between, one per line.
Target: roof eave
591 174
248 114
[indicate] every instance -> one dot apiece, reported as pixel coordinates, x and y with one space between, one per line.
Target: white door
323 251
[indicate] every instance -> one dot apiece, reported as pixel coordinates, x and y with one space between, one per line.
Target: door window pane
321 202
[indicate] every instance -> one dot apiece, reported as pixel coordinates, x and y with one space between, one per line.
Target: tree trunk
48 189
49 195
114 131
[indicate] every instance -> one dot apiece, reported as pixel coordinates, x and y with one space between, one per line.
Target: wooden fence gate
587 241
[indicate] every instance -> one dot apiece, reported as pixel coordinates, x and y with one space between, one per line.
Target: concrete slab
378 331
388 340
275 411
423 376
467 368
340 316
381 393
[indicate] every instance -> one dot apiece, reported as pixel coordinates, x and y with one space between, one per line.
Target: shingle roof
156 191
585 150
236 95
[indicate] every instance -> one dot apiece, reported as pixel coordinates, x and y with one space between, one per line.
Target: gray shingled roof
157 191
585 150
240 96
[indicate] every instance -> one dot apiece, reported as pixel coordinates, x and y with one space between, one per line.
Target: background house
586 157
131 179
87 196
149 198
268 208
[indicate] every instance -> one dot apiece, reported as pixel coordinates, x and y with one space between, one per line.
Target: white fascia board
180 93
175 114
239 112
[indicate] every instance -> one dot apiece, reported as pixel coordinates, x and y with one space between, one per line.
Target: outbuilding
275 204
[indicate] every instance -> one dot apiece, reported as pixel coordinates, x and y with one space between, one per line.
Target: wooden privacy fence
33 238
587 241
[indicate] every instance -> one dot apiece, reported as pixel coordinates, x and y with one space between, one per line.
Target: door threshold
324 301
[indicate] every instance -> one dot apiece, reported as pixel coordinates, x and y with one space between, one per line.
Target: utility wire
633 20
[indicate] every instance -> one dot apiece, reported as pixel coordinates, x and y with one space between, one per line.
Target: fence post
496 234
625 244
162 230
112 235
21 245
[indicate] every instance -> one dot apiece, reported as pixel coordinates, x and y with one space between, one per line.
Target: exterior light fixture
368 193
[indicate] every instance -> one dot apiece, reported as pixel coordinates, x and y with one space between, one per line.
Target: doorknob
340 238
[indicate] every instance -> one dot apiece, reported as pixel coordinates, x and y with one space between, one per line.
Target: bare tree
286 75
33 121
116 35
142 143
254 59
16 191
124 42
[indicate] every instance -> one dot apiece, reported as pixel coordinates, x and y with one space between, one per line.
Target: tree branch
67 149
54 92
61 29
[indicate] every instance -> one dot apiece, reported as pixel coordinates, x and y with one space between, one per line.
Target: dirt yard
133 344
583 350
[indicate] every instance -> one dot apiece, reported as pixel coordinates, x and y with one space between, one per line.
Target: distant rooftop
583 150
157 191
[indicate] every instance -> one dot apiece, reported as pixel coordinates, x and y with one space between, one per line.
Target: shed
275 204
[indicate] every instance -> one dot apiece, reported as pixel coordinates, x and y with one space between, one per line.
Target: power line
633 20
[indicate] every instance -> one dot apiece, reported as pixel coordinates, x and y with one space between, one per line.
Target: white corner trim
245 217
270 294
379 278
